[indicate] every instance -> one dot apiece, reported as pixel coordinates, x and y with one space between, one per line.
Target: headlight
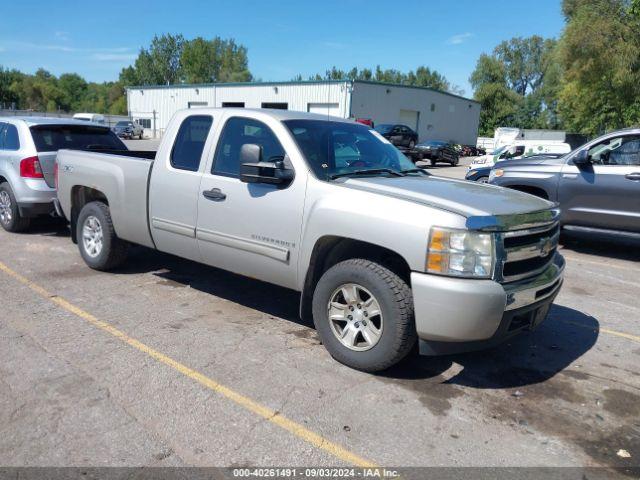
495 172
460 253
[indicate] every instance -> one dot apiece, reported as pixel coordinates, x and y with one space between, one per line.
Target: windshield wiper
415 170
371 171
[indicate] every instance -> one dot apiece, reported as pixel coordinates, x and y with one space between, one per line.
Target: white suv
28 149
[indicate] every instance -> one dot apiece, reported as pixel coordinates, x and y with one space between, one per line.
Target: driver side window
237 132
616 151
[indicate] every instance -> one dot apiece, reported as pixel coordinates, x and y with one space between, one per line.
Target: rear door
175 184
605 194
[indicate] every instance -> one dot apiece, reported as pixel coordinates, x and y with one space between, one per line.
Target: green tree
499 103
8 95
600 55
421 77
160 63
73 88
518 84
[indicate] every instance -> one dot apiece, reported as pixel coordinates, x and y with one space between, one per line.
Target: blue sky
97 39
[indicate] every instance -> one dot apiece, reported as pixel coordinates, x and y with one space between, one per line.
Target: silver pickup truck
384 254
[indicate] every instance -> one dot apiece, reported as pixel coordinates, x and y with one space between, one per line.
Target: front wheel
412 145
10 217
363 313
483 180
99 245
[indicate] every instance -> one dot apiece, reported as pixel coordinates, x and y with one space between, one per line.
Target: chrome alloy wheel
92 237
5 208
355 317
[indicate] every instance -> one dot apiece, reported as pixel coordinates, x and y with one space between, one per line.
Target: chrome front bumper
469 312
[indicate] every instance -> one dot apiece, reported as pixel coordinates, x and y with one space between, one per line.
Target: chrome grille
529 252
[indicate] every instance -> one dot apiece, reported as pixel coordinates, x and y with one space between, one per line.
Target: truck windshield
51 138
338 148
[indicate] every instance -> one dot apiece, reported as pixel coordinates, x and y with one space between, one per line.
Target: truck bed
122 176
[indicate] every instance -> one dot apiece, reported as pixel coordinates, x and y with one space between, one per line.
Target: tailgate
47 162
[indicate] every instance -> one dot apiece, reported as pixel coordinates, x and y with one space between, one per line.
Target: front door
605 193
249 228
173 194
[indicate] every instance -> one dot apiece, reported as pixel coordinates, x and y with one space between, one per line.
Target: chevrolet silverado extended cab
384 254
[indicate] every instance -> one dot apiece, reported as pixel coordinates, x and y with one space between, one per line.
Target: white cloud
460 38
114 57
64 48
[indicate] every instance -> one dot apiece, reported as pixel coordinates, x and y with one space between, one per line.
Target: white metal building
435 115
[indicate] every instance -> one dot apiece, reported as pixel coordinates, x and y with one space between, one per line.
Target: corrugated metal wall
441 116
165 101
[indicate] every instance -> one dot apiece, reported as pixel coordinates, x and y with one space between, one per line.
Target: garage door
332 109
410 118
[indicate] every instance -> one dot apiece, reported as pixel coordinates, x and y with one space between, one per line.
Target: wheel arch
80 196
331 249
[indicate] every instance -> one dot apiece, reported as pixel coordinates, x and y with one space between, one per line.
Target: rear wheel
10 217
99 245
363 313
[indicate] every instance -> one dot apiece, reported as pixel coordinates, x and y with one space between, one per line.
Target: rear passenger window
189 144
11 140
239 131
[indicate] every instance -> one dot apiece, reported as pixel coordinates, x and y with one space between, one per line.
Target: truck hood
468 199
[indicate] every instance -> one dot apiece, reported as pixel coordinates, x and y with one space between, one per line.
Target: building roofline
294 82
234 84
396 85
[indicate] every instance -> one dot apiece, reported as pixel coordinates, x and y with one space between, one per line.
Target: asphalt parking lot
169 363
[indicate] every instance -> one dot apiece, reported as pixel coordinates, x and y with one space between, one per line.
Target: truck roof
31 121
271 112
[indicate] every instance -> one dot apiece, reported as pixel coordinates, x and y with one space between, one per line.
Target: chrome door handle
215 194
633 176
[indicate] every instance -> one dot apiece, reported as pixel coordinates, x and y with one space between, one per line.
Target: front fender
398 225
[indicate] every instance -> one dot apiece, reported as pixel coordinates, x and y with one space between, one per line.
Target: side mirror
582 158
254 170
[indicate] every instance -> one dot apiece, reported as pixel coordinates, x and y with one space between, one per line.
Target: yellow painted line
628 336
267 413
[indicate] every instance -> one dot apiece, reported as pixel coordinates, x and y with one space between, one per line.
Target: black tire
15 223
396 304
412 144
433 162
483 180
114 250
455 162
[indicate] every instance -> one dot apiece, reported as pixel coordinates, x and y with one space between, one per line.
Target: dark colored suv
597 185
399 135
